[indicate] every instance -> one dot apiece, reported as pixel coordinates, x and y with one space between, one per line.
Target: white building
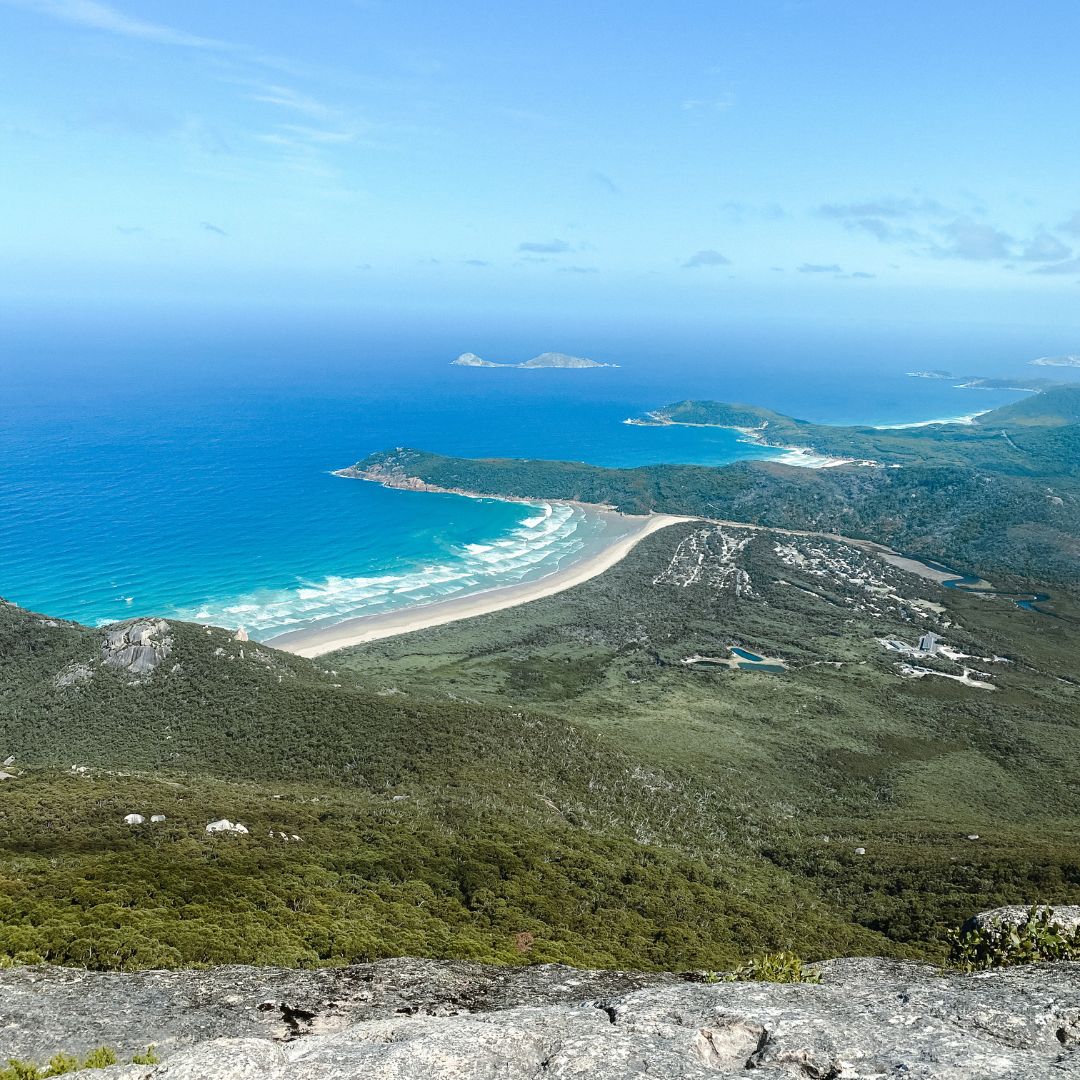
928 643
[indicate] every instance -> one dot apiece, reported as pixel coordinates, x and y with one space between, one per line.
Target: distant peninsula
544 360
1020 382
1034 436
1057 361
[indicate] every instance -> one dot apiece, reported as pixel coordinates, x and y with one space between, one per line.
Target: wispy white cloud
977 241
97 16
320 135
546 247
721 104
1044 247
819 268
288 98
300 138
1069 266
1071 225
890 219
930 228
890 206
708 257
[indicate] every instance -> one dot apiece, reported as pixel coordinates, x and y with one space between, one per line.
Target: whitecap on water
539 545
532 522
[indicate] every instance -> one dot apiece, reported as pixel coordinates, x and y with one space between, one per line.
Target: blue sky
698 159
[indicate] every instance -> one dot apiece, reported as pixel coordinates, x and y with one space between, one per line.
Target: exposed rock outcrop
73 675
224 825
405 1019
45 1009
136 646
1067 916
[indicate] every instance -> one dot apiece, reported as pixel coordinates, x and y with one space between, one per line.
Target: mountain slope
379 823
855 745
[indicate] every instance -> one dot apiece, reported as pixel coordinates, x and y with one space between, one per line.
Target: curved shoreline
799 457
365 628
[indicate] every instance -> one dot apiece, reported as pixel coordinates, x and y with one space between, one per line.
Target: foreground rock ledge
410 1019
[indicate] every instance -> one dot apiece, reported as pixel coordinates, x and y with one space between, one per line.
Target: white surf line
799 457
967 418
365 628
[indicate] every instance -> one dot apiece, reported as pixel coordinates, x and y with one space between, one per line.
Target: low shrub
775 967
1006 944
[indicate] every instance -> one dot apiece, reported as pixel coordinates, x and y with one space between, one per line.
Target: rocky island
544 360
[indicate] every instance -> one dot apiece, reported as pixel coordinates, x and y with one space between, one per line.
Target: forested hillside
1022 530
959 791
562 781
379 822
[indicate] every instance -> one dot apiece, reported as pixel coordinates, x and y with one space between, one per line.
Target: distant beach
967 418
357 631
801 457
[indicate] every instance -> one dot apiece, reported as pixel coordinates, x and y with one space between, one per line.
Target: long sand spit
357 631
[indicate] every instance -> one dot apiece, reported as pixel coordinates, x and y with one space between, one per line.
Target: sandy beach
931 573
372 627
800 457
967 418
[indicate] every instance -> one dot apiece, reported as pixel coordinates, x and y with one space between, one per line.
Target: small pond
747 655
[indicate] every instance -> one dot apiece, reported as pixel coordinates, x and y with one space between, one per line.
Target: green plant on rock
147 1058
61 1064
1006 944
101 1058
20 1070
776 967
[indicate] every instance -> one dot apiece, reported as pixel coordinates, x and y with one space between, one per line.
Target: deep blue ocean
190 475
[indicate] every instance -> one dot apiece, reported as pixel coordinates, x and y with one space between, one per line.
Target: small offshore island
544 360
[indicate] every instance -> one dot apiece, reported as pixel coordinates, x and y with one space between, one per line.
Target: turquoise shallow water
136 481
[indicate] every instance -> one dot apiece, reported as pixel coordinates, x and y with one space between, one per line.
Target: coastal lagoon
199 485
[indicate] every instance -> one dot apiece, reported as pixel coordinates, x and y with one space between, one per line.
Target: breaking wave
542 543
